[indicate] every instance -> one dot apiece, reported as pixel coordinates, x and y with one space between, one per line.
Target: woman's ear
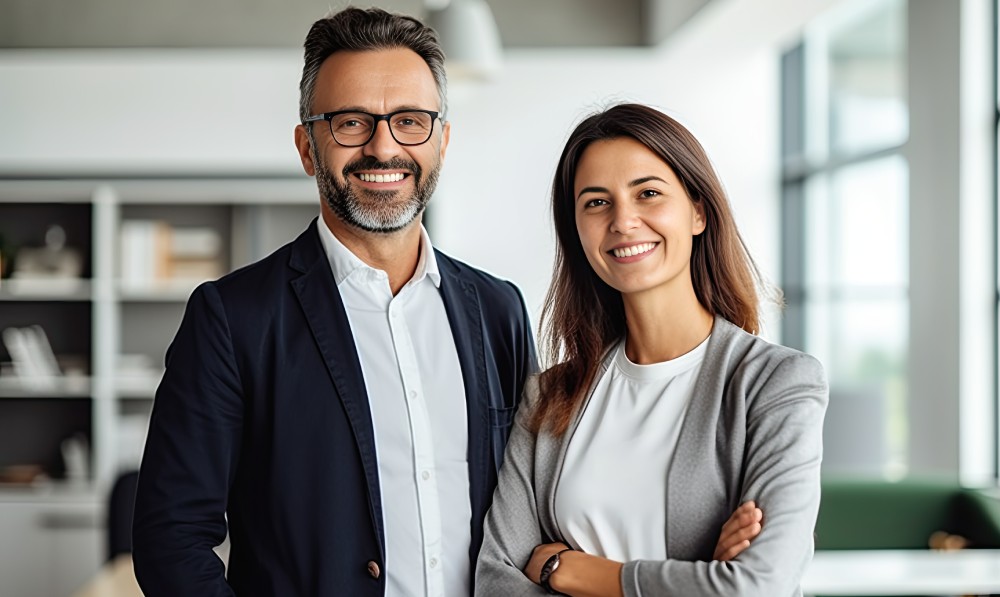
698 222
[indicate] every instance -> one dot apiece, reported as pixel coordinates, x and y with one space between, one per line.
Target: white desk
115 579
903 572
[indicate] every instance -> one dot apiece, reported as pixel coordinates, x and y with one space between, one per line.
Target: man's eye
406 122
350 123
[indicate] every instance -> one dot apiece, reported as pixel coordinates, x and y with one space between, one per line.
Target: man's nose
382 146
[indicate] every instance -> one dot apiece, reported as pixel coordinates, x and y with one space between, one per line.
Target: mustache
370 163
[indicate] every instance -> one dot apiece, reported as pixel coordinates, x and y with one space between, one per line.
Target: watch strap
548 568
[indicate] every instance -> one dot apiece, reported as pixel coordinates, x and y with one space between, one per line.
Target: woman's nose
624 219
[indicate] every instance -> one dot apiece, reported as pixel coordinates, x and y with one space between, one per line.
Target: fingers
746 515
732 552
731 546
738 531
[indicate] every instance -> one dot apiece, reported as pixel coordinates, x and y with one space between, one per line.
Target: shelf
168 291
51 491
56 387
72 289
138 386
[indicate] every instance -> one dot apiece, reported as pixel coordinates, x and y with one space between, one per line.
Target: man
345 401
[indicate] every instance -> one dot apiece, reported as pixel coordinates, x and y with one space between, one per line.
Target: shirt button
434 562
373 569
426 475
413 394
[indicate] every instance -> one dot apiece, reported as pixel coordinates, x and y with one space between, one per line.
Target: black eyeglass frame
329 116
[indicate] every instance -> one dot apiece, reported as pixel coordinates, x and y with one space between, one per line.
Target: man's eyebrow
357 108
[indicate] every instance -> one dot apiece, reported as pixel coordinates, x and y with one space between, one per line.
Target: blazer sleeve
527 355
782 474
512 529
190 458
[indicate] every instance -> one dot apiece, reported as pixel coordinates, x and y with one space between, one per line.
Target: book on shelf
144 250
34 362
155 253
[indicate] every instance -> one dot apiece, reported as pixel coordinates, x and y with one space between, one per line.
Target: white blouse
611 495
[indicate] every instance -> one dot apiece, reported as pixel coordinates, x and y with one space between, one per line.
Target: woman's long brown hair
583 317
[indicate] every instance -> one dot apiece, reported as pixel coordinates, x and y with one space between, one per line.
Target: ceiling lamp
469 36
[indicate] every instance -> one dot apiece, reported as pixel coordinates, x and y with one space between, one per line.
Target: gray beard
376 211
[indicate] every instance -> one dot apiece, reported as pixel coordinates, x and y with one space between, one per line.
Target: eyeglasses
352 128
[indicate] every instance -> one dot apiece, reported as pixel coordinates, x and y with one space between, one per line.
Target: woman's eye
595 203
648 193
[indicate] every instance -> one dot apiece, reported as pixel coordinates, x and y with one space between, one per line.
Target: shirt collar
344 263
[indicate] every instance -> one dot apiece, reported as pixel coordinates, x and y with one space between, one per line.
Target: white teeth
393 177
633 250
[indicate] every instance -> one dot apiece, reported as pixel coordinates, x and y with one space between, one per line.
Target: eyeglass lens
356 128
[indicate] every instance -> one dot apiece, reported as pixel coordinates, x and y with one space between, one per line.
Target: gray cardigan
753 431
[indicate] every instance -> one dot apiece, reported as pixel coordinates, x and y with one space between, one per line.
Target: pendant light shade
469 36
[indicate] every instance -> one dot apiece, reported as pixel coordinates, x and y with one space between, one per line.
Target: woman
665 410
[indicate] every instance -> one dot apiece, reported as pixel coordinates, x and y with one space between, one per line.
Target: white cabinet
49 545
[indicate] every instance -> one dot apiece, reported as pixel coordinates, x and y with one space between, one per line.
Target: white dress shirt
417 398
612 493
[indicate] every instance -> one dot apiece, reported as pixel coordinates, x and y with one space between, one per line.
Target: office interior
145 147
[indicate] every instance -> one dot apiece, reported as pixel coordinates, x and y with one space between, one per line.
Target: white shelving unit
164 125
251 216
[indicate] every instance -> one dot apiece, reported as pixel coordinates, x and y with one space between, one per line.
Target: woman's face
636 222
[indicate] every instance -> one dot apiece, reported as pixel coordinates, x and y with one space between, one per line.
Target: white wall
188 111
148 111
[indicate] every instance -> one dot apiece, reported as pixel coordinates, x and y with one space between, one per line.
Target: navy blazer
263 416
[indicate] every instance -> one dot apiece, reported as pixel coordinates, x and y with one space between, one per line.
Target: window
845 232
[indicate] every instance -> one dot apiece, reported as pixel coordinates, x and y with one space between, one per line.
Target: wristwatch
548 568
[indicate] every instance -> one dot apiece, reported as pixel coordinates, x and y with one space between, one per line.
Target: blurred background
145 147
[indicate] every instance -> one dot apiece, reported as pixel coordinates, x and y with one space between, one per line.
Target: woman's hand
739 530
538 558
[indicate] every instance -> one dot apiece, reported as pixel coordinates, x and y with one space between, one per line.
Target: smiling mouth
386 177
634 250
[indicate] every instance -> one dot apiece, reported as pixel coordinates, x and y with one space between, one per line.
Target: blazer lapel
324 310
461 302
690 468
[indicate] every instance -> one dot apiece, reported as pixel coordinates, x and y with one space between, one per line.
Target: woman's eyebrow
591 190
646 179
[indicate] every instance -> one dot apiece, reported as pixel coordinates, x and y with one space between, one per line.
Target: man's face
381 186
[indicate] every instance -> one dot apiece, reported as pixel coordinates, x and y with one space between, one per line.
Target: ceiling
274 24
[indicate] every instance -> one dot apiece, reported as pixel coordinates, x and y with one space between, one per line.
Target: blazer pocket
502 417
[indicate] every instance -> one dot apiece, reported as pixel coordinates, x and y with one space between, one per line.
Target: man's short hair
356 29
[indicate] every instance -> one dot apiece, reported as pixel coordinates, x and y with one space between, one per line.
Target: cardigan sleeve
781 473
512 529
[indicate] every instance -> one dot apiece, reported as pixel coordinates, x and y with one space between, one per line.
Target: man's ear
445 137
305 149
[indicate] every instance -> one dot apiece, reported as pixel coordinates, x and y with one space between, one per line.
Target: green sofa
857 514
